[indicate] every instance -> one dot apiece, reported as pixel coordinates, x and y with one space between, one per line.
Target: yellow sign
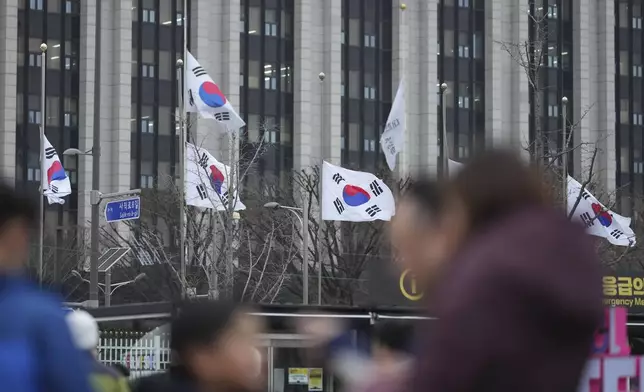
408 286
298 376
315 379
625 291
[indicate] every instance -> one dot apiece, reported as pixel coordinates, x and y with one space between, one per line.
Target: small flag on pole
56 184
207 181
354 196
598 220
203 96
392 140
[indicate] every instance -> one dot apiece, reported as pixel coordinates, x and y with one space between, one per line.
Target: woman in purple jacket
519 297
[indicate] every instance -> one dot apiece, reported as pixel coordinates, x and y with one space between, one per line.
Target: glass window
270 23
463 96
35 59
354 137
165 66
147 70
51 111
448 47
53 6
285 131
623 111
463 45
53 55
135 13
253 128
287 29
623 63
354 84
478 45
253 74
623 14
287 79
164 122
464 3
271 74
36 5
354 32
165 12
149 16
34 117
254 20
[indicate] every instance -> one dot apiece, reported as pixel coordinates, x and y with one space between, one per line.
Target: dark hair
496 184
393 335
15 206
426 193
199 323
122 369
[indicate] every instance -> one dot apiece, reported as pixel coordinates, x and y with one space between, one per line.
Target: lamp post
304 225
564 143
95 199
443 146
108 288
41 220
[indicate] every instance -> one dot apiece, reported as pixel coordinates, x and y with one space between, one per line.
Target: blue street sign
121 210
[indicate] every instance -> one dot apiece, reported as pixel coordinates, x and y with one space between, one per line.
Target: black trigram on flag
337 178
339 206
199 71
373 211
587 219
222 116
203 160
224 197
50 152
375 188
617 234
201 190
191 99
586 195
53 188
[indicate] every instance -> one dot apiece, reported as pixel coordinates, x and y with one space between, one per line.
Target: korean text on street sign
125 209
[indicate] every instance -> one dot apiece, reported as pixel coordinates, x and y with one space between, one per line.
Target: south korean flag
354 196
598 220
203 96
207 181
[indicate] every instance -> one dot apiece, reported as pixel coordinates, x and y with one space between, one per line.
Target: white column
507 105
305 83
8 81
86 107
214 33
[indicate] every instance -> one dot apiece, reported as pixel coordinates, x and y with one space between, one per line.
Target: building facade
267 57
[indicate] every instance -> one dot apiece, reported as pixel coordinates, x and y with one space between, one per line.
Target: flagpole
43 74
564 157
181 111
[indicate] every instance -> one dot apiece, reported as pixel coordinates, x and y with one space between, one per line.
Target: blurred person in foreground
213 350
85 333
37 353
520 297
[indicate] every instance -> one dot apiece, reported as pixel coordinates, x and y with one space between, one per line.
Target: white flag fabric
203 96
206 181
55 182
392 140
599 220
453 167
354 196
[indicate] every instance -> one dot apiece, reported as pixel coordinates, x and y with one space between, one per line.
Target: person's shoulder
31 299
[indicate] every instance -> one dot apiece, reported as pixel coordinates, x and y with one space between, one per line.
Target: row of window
150 16
35 60
35 117
33 174
71 7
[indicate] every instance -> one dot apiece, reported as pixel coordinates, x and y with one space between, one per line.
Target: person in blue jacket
37 353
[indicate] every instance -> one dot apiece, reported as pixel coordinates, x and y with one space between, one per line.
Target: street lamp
304 225
109 289
95 152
